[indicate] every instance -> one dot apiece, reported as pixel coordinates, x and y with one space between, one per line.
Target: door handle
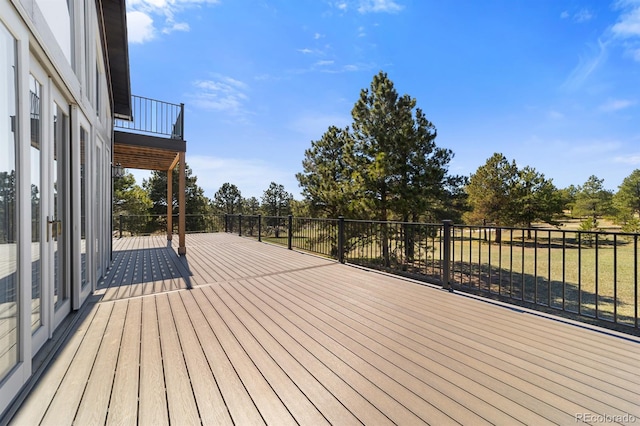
56 229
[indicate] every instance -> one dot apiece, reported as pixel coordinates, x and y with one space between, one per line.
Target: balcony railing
154 118
584 274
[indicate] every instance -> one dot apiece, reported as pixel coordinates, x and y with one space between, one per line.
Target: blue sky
553 84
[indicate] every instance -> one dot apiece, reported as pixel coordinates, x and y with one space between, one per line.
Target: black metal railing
151 224
583 273
150 116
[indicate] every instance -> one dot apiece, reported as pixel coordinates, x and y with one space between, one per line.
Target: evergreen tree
627 199
592 200
132 202
327 179
491 190
196 204
401 169
228 199
535 199
276 203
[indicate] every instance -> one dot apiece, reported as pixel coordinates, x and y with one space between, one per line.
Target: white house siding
59 148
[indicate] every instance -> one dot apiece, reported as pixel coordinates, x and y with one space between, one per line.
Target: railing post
290 231
341 239
120 225
226 223
259 228
446 255
240 225
182 121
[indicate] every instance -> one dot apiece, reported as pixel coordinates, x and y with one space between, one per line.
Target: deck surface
241 332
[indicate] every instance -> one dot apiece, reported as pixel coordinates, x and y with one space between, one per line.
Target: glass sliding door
59 213
84 138
9 307
81 229
35 92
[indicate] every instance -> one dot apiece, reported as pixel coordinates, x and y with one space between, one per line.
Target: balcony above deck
154 137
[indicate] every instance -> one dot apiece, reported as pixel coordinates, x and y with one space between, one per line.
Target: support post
226 223
290 232
120 225
170 204
446 255
240 225
341 239
259 228
182 249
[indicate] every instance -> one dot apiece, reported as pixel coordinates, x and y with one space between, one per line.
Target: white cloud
178 26
146 18
587 65
627 28
223 94
317 36
616 105
306 51
324 63
633 160
629 24
377 6
564 15
139 27
583 15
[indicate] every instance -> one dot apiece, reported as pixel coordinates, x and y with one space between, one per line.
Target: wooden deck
241 332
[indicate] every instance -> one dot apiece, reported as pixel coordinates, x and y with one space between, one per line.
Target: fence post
260 228
240 225
226 223
341 239
290 232
446 255
120 225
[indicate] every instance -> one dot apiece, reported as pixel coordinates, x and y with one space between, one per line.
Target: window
8 206
58 14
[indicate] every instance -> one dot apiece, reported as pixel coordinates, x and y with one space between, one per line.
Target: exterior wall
55 136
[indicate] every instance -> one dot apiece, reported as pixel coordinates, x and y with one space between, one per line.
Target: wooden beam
169 204
175 162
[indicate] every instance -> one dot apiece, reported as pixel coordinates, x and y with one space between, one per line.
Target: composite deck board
555 359
207 395
271 408
35 406
68 396
291 396
521 362
95 399
299 329
123 406
272 336
289 358
537 384
424 384
241 407
153 408
182 406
